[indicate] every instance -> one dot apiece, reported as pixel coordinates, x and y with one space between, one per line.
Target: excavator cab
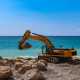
47 50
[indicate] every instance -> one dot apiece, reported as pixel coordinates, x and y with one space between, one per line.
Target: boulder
41 66
30 62
33 61
19 60
10 62
2 63
43 61
5 72
34 66
18 65
24 68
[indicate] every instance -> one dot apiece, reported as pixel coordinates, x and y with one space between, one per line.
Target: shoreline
74 57
19 57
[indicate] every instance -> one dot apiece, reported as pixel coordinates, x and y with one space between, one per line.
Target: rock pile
22 67
32 69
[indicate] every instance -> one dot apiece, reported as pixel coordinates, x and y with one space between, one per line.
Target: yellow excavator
49 52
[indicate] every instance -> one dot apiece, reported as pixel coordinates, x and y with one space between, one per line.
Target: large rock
18 65
43 61
10 62
19 60
23 63
34 66
31 62
41 65
5 72
24 68
3 62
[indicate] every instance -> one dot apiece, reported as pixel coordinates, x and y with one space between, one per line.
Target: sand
63 71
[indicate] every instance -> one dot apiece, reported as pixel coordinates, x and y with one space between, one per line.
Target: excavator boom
34 36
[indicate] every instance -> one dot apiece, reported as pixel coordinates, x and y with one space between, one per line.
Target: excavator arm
27 35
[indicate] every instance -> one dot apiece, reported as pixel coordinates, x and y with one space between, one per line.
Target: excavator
49 52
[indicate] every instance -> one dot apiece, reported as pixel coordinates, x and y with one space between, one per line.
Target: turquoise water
9 45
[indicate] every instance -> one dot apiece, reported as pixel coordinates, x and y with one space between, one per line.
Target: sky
47 17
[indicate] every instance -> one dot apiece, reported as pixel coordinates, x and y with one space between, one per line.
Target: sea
9 45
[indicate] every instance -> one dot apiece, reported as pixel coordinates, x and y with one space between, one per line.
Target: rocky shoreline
33 69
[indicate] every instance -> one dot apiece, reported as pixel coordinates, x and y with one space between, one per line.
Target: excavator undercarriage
51 54
58 55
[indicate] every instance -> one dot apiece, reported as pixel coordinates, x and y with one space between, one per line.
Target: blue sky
48 17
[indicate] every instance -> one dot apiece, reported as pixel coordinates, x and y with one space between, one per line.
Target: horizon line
43 35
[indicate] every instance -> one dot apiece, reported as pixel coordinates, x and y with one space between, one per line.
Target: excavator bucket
25 46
